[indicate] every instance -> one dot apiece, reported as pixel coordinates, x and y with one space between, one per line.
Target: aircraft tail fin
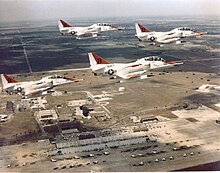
63 24
94 59
139 28
6 79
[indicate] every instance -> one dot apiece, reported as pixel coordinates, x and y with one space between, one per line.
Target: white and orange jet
89 31
147 35
135 69
33 88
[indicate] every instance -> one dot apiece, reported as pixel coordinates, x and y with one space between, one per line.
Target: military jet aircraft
135 69
32 88
147 35
88 31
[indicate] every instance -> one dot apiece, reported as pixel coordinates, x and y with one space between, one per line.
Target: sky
24 10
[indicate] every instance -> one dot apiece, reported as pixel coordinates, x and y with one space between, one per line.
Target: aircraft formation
142 33
100 66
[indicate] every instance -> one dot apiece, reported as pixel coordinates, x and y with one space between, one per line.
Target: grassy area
20 124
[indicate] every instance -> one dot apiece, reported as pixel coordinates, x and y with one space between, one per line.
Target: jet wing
33 92
166 41
64 80
130 75
86 34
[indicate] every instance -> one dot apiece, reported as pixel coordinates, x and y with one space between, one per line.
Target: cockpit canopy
154 58
103 24
55 77
185 29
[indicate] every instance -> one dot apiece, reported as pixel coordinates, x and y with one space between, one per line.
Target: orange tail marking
143 29
65 24
100 60
9 79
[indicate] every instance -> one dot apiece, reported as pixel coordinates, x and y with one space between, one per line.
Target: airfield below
175 124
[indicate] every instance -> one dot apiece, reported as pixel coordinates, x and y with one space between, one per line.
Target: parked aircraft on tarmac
147 35
33 88
89 31
135 69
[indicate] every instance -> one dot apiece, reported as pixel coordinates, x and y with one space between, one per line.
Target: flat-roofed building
46 116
